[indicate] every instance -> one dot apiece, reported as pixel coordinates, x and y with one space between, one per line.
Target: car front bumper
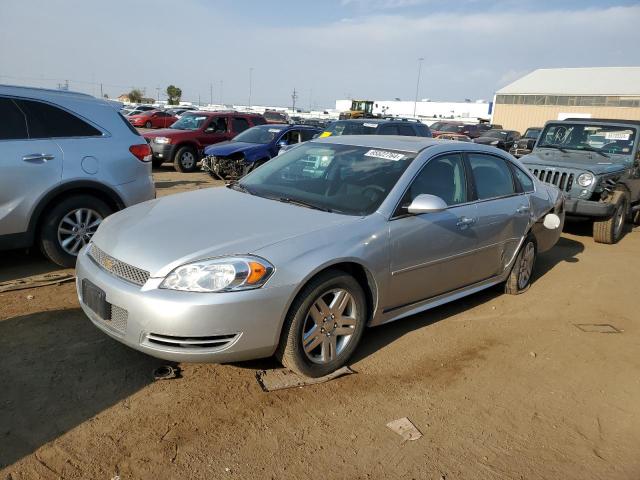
162 150
187 326
588 208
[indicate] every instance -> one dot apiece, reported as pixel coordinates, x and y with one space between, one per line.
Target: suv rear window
47 121
258 120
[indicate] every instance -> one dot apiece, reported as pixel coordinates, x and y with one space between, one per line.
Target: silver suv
67 160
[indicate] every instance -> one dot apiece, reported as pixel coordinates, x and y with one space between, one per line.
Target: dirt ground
501 387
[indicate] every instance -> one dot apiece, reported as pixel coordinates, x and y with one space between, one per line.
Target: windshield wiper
302 203
557 147
236 185
591 149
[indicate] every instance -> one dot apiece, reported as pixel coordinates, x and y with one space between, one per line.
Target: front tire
324 325
147 125
185 160
610 231
69 226
519 279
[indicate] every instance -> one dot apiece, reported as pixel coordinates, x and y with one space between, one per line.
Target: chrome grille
120 269
214 342
562 180
119 317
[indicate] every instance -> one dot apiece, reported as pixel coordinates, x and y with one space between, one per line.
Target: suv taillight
141 152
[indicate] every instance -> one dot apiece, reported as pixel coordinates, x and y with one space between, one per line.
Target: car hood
162 234
224 149
169 132
592 162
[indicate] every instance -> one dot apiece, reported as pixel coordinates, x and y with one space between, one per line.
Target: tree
173 95
135 96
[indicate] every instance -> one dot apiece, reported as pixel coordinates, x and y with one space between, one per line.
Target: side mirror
426 203
282 143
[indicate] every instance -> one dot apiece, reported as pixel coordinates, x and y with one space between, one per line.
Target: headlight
162 140
219 275
585 179
495 142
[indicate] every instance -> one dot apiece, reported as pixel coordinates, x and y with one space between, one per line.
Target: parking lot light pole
415 102
250 82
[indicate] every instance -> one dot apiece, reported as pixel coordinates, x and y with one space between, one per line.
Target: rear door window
240 124
14 123
492 176
308 134
47 121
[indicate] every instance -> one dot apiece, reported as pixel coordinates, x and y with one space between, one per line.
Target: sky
325 49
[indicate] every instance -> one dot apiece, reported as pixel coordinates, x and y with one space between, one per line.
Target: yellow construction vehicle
359 109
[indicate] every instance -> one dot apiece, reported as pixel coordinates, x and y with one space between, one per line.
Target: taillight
141 152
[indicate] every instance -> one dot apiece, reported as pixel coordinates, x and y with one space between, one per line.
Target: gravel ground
501 387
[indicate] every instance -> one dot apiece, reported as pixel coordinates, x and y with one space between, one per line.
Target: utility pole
415 102
294 97
250 82
158 93
210 93
221 100
101 92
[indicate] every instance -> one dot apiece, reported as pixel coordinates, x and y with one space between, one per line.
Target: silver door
503 213
433 253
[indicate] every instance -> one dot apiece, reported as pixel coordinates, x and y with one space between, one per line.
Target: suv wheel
147 125
185 160
69 226
519 279
324 325
610 231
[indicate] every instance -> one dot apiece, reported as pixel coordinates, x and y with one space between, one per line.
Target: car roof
391 142
635 123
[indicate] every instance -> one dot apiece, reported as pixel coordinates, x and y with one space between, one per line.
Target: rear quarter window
258 121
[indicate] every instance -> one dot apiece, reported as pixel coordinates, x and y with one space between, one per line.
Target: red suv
185 141
152 119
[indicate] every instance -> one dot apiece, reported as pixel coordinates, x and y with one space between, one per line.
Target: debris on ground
166 372
533 354
597 328
34 281
405 429
281 378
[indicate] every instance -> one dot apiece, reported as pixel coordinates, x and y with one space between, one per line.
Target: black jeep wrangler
596 163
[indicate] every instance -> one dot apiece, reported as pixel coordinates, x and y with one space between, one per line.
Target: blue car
253 147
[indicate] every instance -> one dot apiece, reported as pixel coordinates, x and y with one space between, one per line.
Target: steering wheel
612 147
373 192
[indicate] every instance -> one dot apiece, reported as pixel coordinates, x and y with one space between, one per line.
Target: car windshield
592 137
350 128
338 178
495 134
274 116
261 134
190 122
532 133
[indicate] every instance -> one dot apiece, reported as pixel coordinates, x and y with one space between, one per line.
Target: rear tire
610 231
309 330
185 160
57 225
519 279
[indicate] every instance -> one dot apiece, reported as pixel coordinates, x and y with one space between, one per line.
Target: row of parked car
299 255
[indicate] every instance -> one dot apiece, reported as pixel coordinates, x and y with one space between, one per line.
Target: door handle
38 157
522 209
464 222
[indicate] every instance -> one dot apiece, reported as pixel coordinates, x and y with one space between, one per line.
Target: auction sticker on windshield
370 125
384 154
617 135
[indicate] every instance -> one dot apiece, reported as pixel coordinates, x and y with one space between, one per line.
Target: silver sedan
302 254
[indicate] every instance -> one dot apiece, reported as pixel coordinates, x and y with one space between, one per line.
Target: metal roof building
555 94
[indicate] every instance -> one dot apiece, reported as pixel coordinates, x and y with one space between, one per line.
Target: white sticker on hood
617 135
384 154
370 125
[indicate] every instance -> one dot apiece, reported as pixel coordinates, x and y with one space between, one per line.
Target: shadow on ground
58 371
17 264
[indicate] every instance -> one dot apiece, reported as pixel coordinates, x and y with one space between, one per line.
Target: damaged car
252 148
596 164
300 256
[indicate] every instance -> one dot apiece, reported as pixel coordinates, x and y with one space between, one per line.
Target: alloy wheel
329 326
188 160
76 229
